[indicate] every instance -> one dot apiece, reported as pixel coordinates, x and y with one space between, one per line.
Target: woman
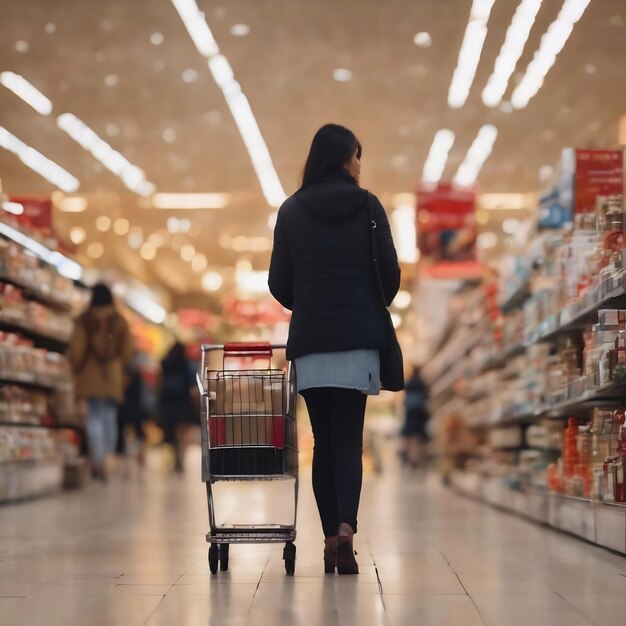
321 270
179 414
100 349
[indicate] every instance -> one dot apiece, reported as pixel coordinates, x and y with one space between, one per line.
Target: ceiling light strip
512 49
171 201
222 72
476 156
552 42
469 55
27 92
132 176
438 156
37 162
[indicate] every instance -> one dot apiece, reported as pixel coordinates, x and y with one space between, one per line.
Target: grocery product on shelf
555 351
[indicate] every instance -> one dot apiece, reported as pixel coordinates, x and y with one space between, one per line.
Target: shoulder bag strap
374 250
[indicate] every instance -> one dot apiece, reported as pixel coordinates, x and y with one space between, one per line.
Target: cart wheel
224 557
213 557
289 555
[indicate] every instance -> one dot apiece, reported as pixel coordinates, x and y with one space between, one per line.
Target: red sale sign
598 173
37 212
447 231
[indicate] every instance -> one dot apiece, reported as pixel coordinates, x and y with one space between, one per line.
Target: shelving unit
463 388
597 522
31 460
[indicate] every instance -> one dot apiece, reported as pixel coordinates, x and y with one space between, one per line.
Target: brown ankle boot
330 555
346 563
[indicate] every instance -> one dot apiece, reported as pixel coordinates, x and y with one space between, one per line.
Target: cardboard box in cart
247 410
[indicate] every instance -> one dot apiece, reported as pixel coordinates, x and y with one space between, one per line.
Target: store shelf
57 425
597 522
29 479
611 294
39 295
27 380
42 339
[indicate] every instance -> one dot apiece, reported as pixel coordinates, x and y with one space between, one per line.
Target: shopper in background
99 350
321 269
416 418
180 417
131 416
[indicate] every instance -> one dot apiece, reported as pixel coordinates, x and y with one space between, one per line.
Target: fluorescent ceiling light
476 156
342 75
132 176
199 31
511 51
171 201
423 40
37 162
437 156
469 55
196 26
26 91
71 204
65 266
552 42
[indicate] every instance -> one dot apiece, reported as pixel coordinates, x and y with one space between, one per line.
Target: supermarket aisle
133 553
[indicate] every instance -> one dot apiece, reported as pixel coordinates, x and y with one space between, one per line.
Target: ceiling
98 62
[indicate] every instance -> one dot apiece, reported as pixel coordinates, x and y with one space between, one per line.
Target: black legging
337 417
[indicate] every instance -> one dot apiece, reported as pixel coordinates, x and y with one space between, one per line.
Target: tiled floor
133 553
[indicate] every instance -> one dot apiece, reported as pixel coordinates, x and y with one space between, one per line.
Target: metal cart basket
249 433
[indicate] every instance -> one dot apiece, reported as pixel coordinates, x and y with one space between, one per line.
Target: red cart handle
235 348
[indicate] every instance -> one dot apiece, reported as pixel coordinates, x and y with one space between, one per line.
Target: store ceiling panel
130 71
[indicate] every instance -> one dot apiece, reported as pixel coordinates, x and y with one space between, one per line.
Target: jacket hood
335 198
101 312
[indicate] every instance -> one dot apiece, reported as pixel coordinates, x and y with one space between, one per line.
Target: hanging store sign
37 212
447 231
598 173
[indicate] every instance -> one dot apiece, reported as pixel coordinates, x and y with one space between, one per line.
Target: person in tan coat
100 349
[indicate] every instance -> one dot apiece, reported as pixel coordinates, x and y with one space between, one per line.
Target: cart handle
243 349
236 348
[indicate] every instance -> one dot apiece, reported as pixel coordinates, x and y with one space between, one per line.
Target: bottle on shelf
619 369
619 466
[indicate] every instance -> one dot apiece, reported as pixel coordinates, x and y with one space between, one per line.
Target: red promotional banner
447 231
598 173
37 212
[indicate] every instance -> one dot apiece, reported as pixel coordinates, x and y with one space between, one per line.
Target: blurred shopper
416 416
131 416
180 417
322 270
100 349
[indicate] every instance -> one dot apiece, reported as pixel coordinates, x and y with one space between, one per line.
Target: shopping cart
249 433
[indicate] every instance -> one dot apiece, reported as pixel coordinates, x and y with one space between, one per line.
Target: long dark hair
332 146
101 295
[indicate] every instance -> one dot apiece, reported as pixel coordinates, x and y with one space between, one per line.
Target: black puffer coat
321 268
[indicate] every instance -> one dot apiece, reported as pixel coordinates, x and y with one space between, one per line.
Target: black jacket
321 268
